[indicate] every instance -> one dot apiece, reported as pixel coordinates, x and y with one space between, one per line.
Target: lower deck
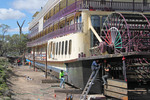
131 69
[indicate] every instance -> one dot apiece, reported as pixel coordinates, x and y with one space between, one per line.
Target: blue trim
48 67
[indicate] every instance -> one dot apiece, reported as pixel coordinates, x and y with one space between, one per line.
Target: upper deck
57 10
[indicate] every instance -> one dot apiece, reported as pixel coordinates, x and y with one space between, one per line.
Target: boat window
62 4
53 48
59 47
95 20
103 19
70 46
77 19
103 1
62 52
49 50
71 22
70 2
66 46
80 19
144 2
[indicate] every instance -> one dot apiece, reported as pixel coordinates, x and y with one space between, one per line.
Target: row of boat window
59 48
62 24
69 21
57 8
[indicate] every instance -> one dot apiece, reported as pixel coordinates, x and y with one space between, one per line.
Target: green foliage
3 75
14 45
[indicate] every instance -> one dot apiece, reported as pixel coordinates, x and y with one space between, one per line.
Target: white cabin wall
40 24
77 47
48 6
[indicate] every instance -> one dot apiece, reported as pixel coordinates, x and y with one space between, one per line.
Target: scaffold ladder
89 84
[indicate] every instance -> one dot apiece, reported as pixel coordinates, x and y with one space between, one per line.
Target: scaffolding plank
116 89
117 83
71 91
115 95
50 81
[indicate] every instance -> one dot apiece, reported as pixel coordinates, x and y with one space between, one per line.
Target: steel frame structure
126 32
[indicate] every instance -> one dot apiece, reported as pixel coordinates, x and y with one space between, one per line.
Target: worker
18 62
62 79
95 66
29 64
107 73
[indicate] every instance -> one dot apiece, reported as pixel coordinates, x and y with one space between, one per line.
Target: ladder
89 84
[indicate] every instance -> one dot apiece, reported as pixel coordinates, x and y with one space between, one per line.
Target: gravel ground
33 89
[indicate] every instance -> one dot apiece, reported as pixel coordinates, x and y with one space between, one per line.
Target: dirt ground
33 89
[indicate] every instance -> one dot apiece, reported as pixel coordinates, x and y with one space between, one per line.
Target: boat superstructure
70 31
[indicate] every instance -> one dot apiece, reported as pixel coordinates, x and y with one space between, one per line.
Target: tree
4 28
12 47
17 47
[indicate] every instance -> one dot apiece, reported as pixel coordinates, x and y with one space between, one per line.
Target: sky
12 11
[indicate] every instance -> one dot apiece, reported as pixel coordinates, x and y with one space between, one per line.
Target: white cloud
30 5
24 30
10 14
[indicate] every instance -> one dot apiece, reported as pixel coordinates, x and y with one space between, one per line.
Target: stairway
89 85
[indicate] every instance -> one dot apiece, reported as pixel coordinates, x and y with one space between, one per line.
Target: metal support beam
46 62
124 69
34 58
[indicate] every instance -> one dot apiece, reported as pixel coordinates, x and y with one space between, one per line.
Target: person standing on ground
29 64
18 62
62 79
107 73
95 66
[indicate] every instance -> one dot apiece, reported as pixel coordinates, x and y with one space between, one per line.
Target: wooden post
46 62
34 58
24 58
41 52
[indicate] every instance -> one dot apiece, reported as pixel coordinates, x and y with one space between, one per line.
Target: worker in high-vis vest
62 79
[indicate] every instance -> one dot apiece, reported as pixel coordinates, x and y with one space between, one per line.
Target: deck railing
99 5
117 6
73 7
60 32
96 5
33 33
37 56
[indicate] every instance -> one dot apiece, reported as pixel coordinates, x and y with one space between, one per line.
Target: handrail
97 5
117 5
73 7
60 32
